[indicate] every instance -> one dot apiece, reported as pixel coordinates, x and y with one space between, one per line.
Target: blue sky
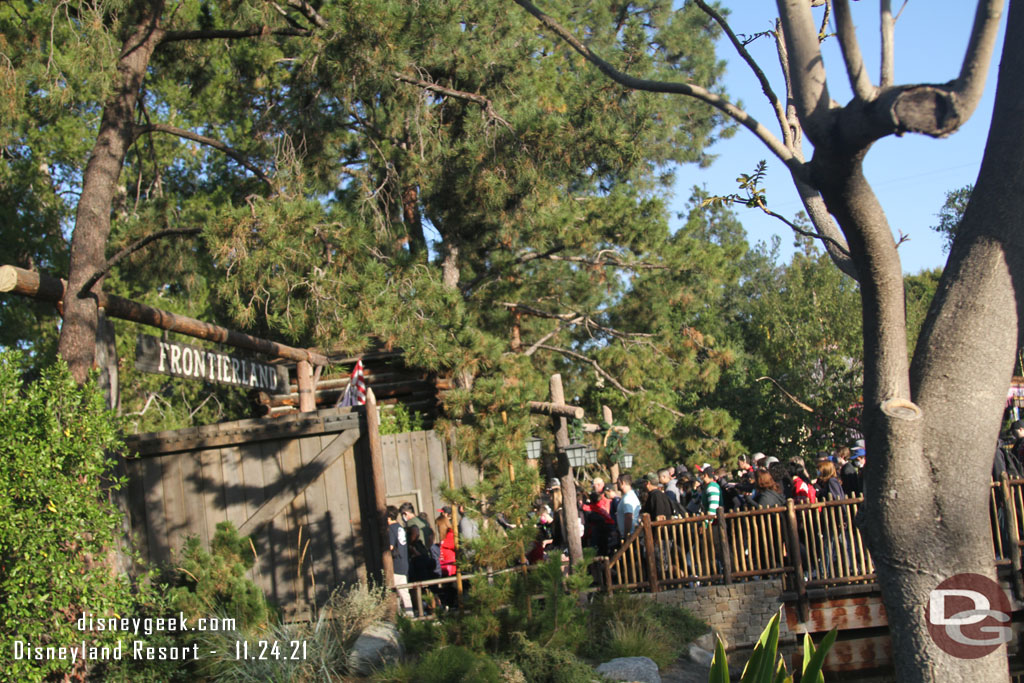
911 174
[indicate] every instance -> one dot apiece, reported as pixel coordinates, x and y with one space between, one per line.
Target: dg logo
968 616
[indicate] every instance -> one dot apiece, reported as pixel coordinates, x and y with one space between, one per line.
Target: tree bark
961 371
570 514
99 184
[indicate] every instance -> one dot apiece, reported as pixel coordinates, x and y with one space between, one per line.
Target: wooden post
307 399
723 533
380 491
570 514
796 565
613 471
652 561
1010 513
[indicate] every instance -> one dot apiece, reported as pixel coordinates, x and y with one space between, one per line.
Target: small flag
355 393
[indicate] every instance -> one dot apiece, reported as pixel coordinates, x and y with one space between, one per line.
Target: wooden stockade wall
300 485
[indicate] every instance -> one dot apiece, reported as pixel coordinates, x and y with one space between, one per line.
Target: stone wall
738 611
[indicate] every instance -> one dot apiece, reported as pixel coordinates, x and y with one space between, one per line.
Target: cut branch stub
926 109
902 409
556 409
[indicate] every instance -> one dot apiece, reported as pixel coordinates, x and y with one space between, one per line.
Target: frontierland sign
182 360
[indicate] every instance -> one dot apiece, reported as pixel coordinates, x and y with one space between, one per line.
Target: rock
379 644
639 669
708 640
700 655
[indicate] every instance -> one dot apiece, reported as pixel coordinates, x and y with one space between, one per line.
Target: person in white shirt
627 516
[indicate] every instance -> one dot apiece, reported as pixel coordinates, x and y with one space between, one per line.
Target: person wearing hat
657 505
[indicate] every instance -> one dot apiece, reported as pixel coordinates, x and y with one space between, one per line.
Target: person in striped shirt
711 498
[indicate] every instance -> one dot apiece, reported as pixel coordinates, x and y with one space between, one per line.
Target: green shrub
625 625
455 664
399 420
543 664
214 582
58 527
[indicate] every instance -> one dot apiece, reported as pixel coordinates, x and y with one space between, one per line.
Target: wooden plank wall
184 485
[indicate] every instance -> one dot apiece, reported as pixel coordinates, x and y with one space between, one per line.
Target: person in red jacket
446 558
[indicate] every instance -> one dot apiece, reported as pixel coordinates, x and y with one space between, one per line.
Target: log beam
44 287
556 409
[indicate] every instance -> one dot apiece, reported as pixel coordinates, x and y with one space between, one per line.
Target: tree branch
575 319
484 102
971 82
209 142
590 361
309 12
790 396
766 86
836 245
888 26
825 239
777 147
609 261
540 342
231 34
807 70
855 69
134 247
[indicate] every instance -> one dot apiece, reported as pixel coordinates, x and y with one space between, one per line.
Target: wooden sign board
183 360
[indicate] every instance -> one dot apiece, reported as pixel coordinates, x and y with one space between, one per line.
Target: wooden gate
301 486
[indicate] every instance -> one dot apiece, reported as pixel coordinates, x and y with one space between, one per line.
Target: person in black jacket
657 505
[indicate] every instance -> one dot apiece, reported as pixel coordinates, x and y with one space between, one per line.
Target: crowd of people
609 513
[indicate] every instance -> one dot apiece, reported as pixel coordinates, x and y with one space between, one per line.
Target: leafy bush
58 527
624 625
399 420
542 664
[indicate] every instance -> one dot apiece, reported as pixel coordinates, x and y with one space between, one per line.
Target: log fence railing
811 546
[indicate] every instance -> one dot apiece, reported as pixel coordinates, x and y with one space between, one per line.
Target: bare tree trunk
99 185
960 375
928 468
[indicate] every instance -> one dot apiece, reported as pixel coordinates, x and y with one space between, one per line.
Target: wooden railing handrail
628 540
794 530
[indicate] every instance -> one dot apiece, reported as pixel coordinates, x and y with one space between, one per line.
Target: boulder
700 655
378 645
639 669
708 640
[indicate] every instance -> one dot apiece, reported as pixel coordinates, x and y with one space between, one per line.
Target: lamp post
533 448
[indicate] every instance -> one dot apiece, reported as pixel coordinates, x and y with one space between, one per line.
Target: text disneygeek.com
142 650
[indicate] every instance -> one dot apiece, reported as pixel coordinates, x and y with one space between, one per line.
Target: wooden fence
301 486
813 546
